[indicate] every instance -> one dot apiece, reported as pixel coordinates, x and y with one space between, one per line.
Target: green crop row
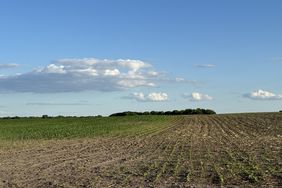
66 128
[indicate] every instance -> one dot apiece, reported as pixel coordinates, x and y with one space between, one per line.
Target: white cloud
195 96
114 72
74 75
138 96
157 97
52 68
56 104
153 73
151 97
8 65
263 95
70 75
134 65
178 79
205 66
131 83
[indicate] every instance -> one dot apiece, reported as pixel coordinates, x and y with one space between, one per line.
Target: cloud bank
8 66
195 96
263 95
73 75
151 97
56 104
205 66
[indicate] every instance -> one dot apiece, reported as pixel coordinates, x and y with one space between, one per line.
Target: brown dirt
195 151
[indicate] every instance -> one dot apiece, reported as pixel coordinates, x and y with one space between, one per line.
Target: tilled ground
193 151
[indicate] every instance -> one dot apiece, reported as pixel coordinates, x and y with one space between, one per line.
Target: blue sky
98 57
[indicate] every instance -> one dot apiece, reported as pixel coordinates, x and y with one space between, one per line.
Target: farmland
142 151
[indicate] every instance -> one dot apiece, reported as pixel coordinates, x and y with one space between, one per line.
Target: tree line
48 117
174 112
130 113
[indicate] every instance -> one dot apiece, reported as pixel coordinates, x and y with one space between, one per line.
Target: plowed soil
192 151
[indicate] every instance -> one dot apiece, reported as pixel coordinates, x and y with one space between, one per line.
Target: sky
95 57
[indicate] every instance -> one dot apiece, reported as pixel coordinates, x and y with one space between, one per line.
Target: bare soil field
191 151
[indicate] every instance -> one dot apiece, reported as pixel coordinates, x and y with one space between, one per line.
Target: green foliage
74 127
174 112
45 117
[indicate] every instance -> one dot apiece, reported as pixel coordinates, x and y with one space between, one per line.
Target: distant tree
167 113
160 112
45 116
208 111
117 114
187 112
174 112
280 111
15 117
153 113
146 113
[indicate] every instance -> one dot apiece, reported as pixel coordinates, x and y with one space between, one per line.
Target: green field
84 127
146 151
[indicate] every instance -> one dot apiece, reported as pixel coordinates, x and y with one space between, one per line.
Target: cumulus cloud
52 68
151 97
157 97
263 95
56 104
205 66
71 75
8 65
178 79
195 96
109 72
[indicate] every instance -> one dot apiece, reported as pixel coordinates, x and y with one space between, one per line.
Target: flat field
143 151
